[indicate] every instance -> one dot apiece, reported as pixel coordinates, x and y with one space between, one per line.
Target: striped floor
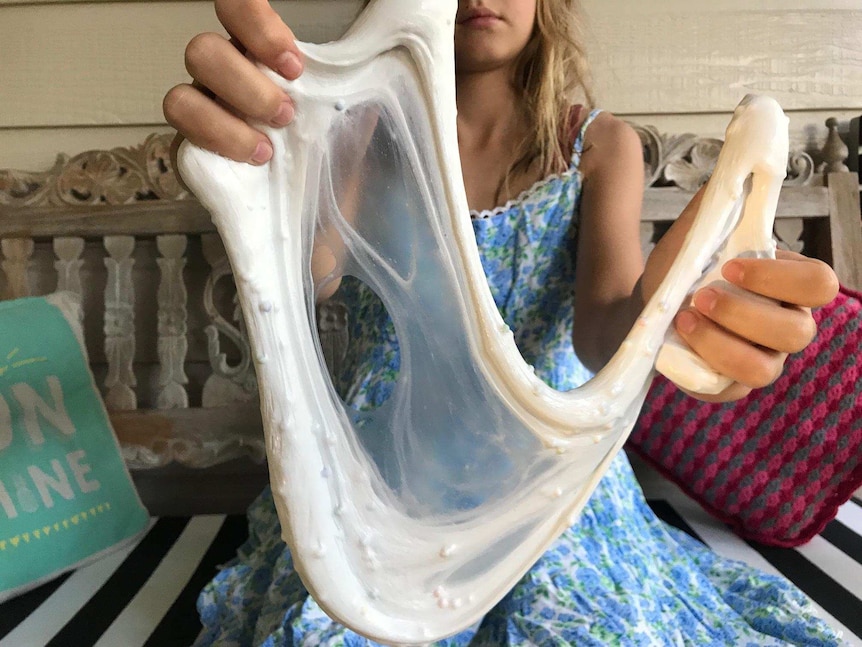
145 595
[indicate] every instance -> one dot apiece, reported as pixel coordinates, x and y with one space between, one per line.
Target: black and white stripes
145 595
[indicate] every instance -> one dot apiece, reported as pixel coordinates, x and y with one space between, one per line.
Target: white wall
76 76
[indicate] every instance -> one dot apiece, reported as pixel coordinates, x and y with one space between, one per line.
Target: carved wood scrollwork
686 161
115 177
144 173
229 383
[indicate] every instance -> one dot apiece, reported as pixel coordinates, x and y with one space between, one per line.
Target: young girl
619 576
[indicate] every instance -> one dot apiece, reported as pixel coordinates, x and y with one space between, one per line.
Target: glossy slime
409 522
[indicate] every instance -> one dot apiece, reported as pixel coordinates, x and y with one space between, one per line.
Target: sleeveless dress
619 576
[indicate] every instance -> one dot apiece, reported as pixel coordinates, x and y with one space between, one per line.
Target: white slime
409 522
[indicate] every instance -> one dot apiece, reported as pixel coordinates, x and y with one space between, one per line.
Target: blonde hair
552 73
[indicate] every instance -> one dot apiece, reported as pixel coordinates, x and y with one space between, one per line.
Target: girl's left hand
748 338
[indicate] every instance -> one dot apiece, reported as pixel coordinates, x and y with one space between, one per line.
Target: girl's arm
739 336
609 258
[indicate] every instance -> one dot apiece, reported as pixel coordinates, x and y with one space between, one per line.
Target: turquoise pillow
66 497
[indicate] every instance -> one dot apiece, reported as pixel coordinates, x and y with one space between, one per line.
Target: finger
261 30
218 66
790 278
175 146
727 353
208 125
787 329
734 392
792 256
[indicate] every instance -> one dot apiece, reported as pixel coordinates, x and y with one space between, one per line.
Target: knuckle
264 100
223 9
742 391
227 9
823 281
276 37
759 381
808 330
829 281
201 48
258 25
764 372
801 333
175 101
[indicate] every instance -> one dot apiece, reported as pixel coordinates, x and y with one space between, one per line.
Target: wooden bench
166 341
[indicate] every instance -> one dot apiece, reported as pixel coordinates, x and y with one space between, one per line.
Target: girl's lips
481 21
478 17
478 22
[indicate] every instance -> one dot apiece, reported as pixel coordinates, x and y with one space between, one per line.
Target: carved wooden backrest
165 337
818 214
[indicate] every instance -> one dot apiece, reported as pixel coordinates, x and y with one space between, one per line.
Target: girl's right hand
228 88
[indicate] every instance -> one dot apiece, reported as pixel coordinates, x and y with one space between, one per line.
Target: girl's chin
472 59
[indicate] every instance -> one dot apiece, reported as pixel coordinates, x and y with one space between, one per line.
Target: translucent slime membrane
409 522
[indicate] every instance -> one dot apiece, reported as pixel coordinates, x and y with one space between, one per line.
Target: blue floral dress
620 576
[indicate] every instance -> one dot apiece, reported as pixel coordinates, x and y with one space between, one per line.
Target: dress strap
578 147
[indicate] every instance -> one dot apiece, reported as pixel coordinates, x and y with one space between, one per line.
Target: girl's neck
491 123
487 107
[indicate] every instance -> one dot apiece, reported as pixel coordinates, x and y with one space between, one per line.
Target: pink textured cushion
777 464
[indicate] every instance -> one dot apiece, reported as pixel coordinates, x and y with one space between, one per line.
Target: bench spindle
172 316
120 324
17 253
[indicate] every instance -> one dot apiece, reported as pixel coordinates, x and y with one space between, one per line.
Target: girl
619 576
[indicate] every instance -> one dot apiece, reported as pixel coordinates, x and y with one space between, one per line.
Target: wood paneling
657 57
111 63
76 76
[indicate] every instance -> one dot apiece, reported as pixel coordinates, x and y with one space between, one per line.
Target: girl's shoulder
607 141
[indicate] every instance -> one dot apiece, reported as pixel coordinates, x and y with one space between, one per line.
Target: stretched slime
409 522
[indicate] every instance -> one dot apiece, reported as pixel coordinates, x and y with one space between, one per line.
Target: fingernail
262 153
289 65
705 300
686 322
284 115
733 271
